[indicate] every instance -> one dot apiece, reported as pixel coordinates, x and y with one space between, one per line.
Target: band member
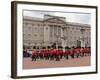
52 55
72 52
49 52
82 51
56 54
66 53
42 52
89 51
34 55
77 52
37 53
46 53
61 52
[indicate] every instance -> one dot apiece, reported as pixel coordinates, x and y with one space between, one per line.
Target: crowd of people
53 53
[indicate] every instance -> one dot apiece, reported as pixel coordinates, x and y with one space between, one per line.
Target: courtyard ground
76 62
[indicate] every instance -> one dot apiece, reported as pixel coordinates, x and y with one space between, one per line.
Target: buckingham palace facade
49 30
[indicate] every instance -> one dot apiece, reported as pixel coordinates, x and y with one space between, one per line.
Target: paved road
82 61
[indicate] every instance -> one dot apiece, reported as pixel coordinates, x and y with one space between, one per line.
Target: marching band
53 53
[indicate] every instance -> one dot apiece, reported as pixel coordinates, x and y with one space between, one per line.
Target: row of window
55 29
35 24
55 36
30 35
53 25
32 24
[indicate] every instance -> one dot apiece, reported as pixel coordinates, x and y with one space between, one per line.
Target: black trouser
41 56
37 56
57 57
46 56
61 55
66 56
72 55
34 57
52 56
82 54
77 55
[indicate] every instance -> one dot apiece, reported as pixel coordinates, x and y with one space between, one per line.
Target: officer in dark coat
34 54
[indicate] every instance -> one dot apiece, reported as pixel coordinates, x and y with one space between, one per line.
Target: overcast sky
84 18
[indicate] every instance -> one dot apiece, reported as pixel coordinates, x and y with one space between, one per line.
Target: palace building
49 30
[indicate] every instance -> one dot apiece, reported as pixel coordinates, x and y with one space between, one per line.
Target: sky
84 18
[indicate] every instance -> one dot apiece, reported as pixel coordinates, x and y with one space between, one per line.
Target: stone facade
55 30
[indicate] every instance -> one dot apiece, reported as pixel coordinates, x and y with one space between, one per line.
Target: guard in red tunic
72 52
54 53
85 51
41 55
89 51
82 51
77 52
66 53
46 53
51 51
57 54
61 53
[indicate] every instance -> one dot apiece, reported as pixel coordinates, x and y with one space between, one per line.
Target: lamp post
63 37
57 36
82 37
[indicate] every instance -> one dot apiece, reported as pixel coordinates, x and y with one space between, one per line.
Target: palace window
51 25
32 24
35 35
38 24
46 28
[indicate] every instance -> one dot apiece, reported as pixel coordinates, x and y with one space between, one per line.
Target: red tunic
67 52
71 51
60 52
41 52
33 51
